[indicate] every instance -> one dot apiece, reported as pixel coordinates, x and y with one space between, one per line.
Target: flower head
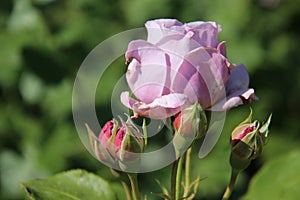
181 64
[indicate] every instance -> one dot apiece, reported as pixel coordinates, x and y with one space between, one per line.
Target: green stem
134 186
176 178
127 190
228 191
173 179
187 172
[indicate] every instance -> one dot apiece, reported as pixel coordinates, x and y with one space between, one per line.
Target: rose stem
176 178
134 186
228 191
187 171
127 190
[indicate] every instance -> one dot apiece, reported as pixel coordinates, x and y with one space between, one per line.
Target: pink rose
180 64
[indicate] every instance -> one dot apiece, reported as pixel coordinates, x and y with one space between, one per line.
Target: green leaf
278 179
74 184
119 191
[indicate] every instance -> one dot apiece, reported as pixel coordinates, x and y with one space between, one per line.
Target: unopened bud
191 121
108 132
189 124
247 142
117 146
129 142
100 144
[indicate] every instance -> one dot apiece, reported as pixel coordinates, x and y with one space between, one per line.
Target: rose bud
191 121
189 124
100 145
247 142
108 133
129 143
129 139
117 146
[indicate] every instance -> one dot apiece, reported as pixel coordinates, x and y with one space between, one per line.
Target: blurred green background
43 43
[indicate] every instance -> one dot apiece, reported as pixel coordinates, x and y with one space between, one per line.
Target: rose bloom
180 64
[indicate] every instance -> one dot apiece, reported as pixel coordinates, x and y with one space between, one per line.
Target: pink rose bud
120 136
177 121
247 142
117 146
100 146
107 131
129 142
189 124
191 121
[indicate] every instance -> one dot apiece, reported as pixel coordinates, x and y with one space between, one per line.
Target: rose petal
239 98
174 100
238 79
140 49
178 44
237 90
206 33
222 48
157 29
204 25
127 100
206 75
147 74
160 108
163 107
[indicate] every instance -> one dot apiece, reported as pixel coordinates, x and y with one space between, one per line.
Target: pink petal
239 79
160 108
147 73
174 100
178 44
127 100
238 98
207 78
135 47
222 48
206 33
157 29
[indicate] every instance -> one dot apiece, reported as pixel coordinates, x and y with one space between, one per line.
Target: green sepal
181 143
97 148
264 130
238 163
189 121
132 144
193 122
144 127
202 123
248 119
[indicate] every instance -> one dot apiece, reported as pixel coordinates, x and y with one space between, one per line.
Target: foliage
43 43
75 184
